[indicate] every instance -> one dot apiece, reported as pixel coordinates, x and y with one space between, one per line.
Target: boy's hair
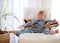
41 12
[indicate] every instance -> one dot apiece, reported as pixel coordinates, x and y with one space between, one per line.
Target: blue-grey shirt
39 25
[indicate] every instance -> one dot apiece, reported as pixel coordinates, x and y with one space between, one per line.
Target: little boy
39 25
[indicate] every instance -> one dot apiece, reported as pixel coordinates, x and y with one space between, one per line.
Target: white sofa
38 38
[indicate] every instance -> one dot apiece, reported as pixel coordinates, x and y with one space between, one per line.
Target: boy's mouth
40 18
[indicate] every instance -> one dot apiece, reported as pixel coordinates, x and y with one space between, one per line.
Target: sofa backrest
31 13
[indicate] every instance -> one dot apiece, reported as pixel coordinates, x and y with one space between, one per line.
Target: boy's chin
40 19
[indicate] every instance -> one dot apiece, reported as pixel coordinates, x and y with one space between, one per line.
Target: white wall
56 11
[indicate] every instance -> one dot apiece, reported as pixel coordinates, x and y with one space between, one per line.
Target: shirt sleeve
49 21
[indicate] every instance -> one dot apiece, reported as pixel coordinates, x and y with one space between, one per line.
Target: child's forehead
42 14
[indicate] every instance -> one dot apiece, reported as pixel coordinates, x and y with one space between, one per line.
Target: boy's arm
49 25
47 21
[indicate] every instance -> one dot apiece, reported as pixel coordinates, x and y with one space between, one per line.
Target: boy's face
41 16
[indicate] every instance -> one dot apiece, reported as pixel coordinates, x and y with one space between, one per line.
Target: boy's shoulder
49 20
